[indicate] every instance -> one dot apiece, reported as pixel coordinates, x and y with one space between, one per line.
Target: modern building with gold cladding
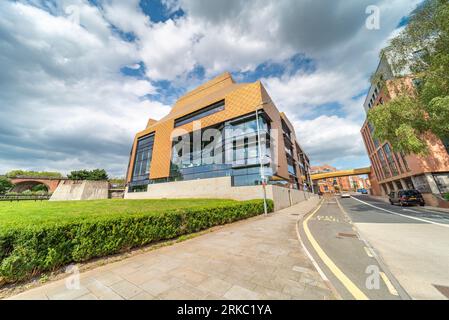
220 129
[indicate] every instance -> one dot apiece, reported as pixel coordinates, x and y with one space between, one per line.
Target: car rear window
411 193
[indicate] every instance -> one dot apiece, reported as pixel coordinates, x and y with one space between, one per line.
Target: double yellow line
347 283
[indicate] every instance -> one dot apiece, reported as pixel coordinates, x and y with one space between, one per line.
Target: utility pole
262 173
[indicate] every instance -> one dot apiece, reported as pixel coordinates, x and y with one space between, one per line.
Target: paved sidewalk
259 258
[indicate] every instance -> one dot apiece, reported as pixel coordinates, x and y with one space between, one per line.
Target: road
369 249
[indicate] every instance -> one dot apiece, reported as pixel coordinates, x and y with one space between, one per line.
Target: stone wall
220 188
80 190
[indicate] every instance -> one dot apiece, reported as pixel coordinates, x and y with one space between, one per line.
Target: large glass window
399 162
222 150
291 166
204 112
371 129
142 160
404 161
391 163
286 129
241 141
383 163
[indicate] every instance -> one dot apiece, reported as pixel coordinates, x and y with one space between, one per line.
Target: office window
383 163
235 147
142 161
371 129
404 161
399 163
291 166
204 112
286 129
391 163
288 146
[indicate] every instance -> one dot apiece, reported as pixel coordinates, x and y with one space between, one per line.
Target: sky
80 78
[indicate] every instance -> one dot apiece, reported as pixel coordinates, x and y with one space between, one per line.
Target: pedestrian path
258 258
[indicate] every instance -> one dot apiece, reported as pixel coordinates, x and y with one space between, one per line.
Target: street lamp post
262 173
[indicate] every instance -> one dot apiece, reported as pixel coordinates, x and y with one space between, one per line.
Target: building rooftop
208 93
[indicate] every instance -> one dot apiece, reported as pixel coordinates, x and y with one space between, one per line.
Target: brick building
394 170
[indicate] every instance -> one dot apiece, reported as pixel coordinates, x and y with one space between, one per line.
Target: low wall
220 188
284 198
80 190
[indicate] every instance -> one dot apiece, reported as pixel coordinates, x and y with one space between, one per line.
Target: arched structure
22 184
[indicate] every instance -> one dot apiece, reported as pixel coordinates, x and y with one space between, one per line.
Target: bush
5 185
446 196
96 175
34 174
27 251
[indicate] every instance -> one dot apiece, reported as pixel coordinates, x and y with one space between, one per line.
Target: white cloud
338 133
68 105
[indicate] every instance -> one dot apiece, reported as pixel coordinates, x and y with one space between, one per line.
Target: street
369 249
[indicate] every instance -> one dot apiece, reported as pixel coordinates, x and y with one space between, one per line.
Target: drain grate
347 235
444 290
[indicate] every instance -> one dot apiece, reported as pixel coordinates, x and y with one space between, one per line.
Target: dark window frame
201 113
143 154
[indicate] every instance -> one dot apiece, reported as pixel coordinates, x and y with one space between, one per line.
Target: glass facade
142 163
286 129
404 161
371 129
383 163
401 169
391 163
230 149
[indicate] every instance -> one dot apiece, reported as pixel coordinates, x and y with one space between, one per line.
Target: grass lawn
42 236
40 213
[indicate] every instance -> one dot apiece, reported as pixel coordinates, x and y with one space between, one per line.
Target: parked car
364 191
345 195
406 197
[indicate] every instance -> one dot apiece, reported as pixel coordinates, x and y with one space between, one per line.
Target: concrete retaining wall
80 190
284 198
220 188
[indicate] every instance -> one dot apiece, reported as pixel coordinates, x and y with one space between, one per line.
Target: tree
423 48
97 175
40 188
5 185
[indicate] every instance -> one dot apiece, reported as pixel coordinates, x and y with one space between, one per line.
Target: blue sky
80 77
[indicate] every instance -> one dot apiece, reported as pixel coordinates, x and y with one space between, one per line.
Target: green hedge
25 252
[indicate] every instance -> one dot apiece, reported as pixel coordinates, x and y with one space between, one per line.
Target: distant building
219 136
394 170
338 184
